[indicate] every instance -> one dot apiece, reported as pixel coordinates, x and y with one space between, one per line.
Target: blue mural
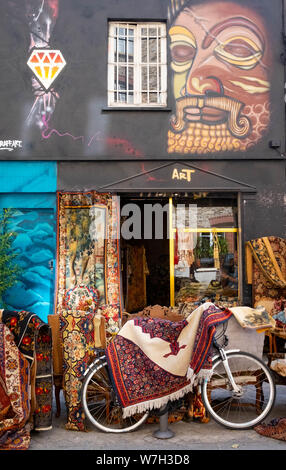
29 188
35 245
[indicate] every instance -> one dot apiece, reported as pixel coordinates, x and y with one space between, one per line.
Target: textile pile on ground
26 363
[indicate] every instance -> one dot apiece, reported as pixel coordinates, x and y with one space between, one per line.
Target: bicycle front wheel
101 405
251 402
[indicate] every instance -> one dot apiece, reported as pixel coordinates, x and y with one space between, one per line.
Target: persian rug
88 256
77 333
266 271
275 429
154 360
34 339
14 394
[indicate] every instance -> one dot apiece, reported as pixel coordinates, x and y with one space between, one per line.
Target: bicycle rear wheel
101 405
254 400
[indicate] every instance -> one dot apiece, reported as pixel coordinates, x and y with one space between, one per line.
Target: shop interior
192 255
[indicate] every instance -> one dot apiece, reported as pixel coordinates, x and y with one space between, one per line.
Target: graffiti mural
35 246
46 64
220 62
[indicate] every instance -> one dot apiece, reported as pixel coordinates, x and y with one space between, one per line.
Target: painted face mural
220 61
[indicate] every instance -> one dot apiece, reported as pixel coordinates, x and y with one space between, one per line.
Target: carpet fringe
160 402
156 403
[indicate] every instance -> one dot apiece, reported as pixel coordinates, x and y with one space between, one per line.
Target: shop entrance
186 251
145 261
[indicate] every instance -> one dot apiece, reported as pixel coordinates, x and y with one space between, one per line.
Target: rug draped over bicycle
152 361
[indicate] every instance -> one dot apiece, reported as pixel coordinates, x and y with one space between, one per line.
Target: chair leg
58 402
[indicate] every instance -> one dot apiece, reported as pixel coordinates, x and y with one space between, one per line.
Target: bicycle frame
96 361
223 355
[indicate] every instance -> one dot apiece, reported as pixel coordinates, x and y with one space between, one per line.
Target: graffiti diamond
46 65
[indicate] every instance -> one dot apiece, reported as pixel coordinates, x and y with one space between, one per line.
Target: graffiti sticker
46 65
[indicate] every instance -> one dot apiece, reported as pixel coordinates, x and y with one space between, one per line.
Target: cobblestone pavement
187 436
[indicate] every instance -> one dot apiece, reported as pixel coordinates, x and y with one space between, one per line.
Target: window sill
139 108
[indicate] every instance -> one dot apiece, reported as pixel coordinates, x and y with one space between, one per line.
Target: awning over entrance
150 176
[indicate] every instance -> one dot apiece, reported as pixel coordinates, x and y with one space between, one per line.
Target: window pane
122 97
159 51
206 259
122 78
115 50
130 78
130 50
115 78
130 98
144 78
144 52
153 32
144 98
122 57
153 50
153 78
122 31
153 98
144 31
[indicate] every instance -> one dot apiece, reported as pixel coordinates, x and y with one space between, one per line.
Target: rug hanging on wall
88 254
266 271
14 394
77 330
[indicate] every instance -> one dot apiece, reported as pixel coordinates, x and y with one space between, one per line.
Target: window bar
127 64
163 63
111 70
158 84
117 64
148 67
138 65
171 254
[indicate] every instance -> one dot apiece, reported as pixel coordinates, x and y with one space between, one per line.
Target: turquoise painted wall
30 189
28 177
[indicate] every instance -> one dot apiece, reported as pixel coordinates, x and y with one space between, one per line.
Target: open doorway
145 262
189 264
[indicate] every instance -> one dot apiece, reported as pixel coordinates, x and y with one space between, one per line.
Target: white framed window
137 64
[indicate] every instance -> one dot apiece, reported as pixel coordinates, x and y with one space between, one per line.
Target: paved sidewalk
188 436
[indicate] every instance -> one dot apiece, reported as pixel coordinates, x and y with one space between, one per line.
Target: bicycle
239 395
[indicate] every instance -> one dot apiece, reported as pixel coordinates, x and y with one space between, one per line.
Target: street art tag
46 65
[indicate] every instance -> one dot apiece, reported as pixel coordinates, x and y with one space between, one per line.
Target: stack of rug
14 394
33 338
25 378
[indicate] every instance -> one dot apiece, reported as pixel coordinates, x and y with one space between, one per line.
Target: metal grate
137 64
